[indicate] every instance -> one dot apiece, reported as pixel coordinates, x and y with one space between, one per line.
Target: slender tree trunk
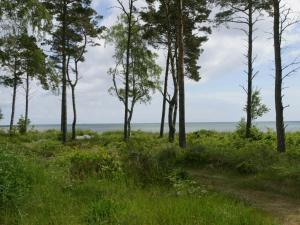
162 123
74 113
182 134
278 80
26 102
173 102
64 77
126 136
13 105
250 71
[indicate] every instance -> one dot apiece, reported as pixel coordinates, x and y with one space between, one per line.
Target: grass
104 181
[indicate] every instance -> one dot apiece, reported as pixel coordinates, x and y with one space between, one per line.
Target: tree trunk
26 102
250 71
64 77
278 80
162 123
172 128
174 100
74 113
13 105
126 136
182 134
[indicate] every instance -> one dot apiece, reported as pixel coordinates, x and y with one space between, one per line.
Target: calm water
190 127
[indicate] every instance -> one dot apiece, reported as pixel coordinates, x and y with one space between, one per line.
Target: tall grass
104 181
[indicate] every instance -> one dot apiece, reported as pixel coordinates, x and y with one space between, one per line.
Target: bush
47 148
22 125
14 180
255 133
147 168
99 163
101 212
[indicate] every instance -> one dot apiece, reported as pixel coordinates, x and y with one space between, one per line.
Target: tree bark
74 113
13 105
162 123
173 103
64 77
26 102
278 80
182 134
126 136
250 71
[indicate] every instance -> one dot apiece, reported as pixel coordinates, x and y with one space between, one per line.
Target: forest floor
286 209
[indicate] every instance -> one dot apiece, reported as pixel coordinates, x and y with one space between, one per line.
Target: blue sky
217 97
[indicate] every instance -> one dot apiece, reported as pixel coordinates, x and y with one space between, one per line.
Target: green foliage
1 115
99 163
146 160
101 212
255 133
144 73
160 29
22 125
258 109
14 180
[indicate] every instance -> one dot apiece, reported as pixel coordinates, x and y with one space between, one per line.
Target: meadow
146 181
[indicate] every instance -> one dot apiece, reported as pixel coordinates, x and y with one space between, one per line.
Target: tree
11 62
70 18
16 17
244 13
143 72
36 65
162 31
182 135
1 115
60 11
258 108
282 21
129 14
82 32
20 56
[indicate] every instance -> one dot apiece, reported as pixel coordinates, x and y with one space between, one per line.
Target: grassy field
144 182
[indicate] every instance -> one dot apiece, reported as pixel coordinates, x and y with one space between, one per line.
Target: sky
218 97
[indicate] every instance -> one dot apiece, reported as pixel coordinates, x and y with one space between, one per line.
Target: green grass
143 183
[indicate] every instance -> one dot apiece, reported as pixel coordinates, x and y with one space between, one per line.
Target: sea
291 126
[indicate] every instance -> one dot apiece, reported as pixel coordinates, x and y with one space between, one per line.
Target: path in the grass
284 208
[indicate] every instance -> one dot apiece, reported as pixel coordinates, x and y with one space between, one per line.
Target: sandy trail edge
285 209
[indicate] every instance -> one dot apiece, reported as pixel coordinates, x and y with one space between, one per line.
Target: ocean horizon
291 126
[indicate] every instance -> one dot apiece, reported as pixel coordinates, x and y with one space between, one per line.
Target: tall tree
129 14
67 14
278 78
182 134
161 17
58 42
282 21
21 57
81 33
246 14
16 17
36 66
143 72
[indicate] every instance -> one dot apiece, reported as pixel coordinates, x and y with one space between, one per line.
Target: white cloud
216 98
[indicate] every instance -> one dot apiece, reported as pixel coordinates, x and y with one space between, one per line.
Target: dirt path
286 209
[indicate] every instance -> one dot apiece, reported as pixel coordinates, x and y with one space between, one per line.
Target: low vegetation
145 181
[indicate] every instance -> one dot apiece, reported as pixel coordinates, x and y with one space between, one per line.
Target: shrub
147 168
255 133
99 163
22 125
101 212
14 180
